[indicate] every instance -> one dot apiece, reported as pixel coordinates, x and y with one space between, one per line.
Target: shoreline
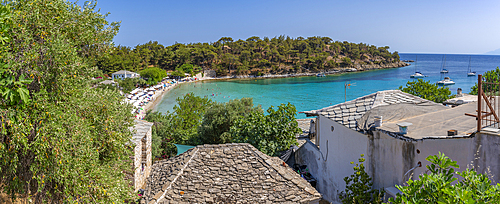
334 72
158 97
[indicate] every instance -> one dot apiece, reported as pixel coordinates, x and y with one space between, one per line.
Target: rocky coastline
356 68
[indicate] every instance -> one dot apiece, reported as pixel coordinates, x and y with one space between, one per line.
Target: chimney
403 127
378 121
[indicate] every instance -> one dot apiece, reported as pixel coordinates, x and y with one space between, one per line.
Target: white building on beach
347 130
122 74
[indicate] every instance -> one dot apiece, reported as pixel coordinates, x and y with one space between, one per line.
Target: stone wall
142 153
149 159
138 179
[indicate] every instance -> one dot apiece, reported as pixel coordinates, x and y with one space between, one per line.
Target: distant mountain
494 52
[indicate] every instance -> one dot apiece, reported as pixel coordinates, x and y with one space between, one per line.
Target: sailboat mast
416 61
469 65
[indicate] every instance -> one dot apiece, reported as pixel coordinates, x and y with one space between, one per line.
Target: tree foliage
60 140
280 54
161 140
359 187
220 117
154 74
129 84
270 133
437 185
197 120
492 76
427 90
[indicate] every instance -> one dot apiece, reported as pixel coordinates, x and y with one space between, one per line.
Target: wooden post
479 94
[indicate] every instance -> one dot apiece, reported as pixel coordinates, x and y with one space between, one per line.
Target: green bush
197 120
437 186
154 73
61 141
492 76
270 133
129 84
359 187
427 90
220 117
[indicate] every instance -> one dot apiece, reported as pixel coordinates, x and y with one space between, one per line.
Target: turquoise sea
311 93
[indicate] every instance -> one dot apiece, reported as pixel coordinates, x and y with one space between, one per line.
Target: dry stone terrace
234 173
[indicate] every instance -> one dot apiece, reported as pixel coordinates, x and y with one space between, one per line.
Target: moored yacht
417 75
446 81
470 73
443 70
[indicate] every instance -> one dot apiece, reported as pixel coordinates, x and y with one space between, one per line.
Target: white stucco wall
122 76
388 158
391 158
457 149
487 155
331 162
385 159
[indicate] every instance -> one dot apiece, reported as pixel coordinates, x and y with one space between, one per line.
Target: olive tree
61 141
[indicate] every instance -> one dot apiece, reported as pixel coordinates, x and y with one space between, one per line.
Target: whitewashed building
347 130
122 74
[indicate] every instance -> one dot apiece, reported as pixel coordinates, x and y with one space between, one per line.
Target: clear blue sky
418 26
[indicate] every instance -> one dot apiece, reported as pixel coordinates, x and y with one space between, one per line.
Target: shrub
359 187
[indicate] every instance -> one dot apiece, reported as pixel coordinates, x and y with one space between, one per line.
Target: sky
418 26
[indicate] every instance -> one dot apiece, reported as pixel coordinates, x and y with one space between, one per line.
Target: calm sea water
311 93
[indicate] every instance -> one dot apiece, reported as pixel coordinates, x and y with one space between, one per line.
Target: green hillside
278 55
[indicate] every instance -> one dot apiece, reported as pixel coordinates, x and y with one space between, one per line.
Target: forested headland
253 56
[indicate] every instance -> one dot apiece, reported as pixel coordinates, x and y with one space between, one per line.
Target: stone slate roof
226 173
123 72
347 113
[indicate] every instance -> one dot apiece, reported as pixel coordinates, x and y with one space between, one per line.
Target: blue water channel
311 93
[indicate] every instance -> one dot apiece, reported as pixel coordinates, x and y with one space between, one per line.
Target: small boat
470 73
444 71
446 81
417 74
320 75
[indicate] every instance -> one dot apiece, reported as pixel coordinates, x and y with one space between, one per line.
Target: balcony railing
488 103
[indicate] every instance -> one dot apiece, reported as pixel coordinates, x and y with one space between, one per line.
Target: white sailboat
443 70
446 81
417 74
470 73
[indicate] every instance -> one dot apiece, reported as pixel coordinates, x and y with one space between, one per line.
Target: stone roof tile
239 172
348 112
